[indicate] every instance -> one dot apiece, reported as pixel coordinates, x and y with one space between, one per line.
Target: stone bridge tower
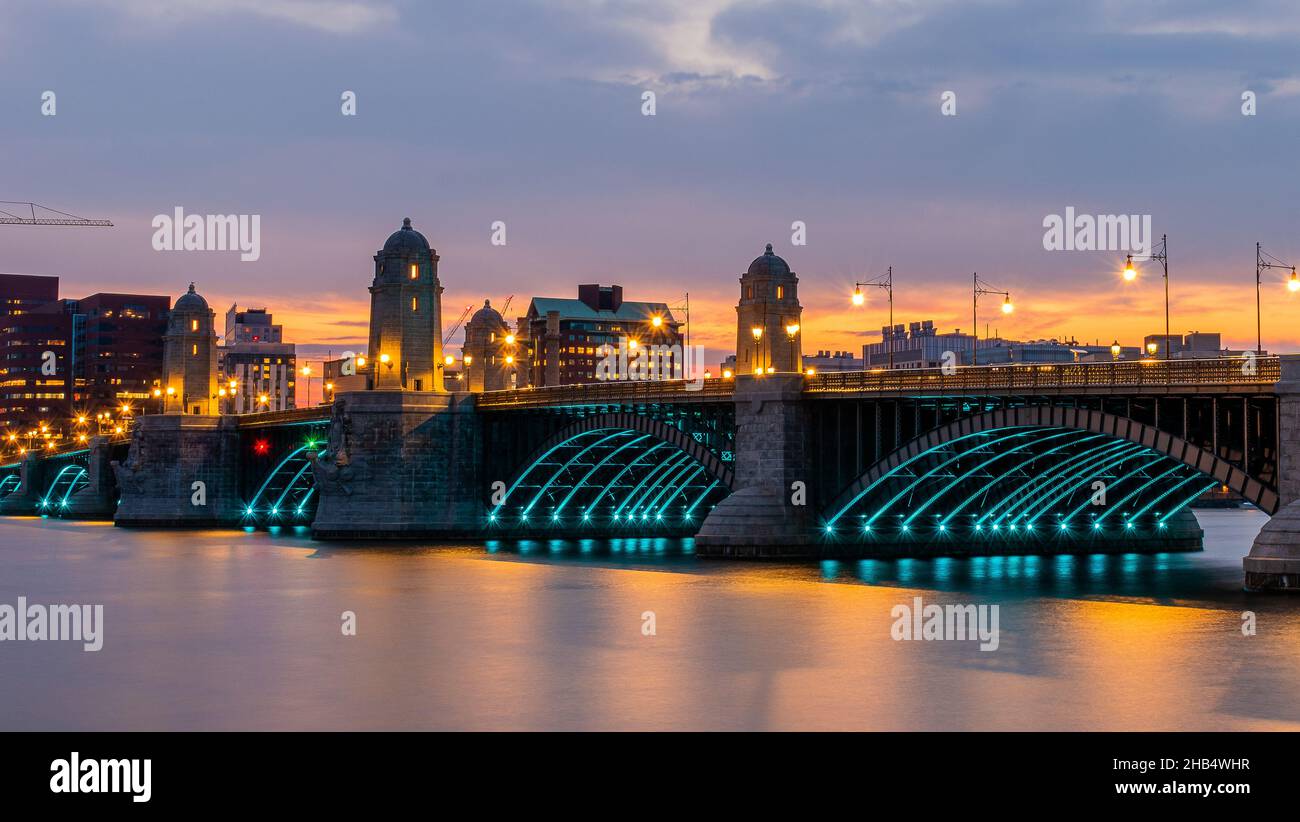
767 318
406 314
190 358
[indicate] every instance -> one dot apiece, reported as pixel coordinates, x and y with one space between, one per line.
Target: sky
766 113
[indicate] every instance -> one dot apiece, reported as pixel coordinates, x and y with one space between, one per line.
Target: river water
243 630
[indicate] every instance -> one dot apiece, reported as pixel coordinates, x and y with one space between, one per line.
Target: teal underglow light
922 478
701 497
1083 475
577 455
836 516
594 468
540 460
1171 490
956 481
1113 485
1025 494
1180 506
1019 467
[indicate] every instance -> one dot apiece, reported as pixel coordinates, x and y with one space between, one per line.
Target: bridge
998 459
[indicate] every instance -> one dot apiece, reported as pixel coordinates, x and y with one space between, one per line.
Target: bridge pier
1274 560
400 465
98 500
763 517
27 496
181 470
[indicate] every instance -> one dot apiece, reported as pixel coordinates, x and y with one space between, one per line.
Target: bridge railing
312 413
614 391
1031 377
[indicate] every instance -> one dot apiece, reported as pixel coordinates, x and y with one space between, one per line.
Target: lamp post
1293 284
886 281
1115 349
757 331
1162 257
979 287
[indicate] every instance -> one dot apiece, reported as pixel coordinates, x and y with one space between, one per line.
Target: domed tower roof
487 314
191 302
770 265
406 239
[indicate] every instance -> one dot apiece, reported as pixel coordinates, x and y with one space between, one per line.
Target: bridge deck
1209 376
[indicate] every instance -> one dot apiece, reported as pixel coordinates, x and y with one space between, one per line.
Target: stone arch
1099 422
657 460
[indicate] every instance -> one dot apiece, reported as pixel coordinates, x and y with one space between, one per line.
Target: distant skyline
766 113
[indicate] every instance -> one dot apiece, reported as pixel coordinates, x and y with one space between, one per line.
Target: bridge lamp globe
262 399
657 321
448 360
1007 305
858 297
1130 273
510 339
726 373
757 332
221 392
792 329
510 360
1294 283
1115 349
306 370
361 362
469 358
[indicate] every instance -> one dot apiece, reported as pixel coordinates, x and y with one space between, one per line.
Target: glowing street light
757 332
791 330
979 287
1162 257
657 321
1115 349
887 283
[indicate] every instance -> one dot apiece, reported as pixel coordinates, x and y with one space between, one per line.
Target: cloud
333 16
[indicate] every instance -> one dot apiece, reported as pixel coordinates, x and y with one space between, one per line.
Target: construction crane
9 218
446 338
506 305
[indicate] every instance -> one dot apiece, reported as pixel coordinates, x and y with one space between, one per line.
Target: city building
33 322
66 358
921 345
252 325
258 370
118 351
767 332
566 339
824 361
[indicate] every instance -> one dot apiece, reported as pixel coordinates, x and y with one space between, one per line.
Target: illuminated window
194 325
194 349
415 305
415 271
780 292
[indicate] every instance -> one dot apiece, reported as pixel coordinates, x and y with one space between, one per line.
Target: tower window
194 325
780 292
415 305
194 349
415 271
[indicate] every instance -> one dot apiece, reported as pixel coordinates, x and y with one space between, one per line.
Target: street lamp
886 282
979 287
1115 348
1162 257
1293 284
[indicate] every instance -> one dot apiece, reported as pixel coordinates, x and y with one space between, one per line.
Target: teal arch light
275 501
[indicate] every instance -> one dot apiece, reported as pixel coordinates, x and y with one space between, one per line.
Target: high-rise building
63 358
118 351
252 325
566 339
256 361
